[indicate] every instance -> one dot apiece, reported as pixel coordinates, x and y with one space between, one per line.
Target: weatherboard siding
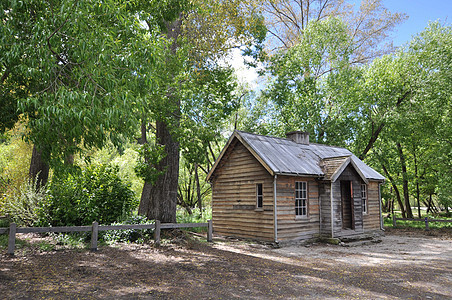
325 207
290 226
371 220
234 210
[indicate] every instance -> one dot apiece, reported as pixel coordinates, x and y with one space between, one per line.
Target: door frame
347 201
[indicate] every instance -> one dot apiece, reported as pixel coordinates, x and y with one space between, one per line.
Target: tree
368 25
410 93
392 112
71 67
306 90
192 54
317 45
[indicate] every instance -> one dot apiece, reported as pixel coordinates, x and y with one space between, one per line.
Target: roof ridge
266 136
290 158
287 139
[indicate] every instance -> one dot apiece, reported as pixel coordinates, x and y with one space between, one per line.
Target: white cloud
245 74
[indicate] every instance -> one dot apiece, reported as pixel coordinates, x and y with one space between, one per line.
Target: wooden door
348 220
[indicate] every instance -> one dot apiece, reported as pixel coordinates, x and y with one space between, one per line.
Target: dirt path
401 266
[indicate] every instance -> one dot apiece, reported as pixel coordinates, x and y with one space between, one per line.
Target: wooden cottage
287 189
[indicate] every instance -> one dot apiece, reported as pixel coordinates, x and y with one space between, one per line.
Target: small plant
45 246
130 235
4 222
23 204
73 240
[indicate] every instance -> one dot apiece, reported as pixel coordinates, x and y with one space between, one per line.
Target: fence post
426 223
209 230
94 236
12 238
393 221
157 233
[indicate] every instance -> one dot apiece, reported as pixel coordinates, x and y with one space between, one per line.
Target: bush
130 235
22 205
95 193
15 155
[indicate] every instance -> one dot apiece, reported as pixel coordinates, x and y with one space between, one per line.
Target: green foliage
22 206
125 158
4 222
209 98
398 101
96 193
184 217
307 92
15 157
410 95
149 157
74 69
130 235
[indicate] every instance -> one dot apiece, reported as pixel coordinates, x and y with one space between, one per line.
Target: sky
419 12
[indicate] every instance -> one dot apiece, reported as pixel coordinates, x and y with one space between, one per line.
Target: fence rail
95 228
426 220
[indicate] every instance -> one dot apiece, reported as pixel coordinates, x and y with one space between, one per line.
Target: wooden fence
95 228
426 220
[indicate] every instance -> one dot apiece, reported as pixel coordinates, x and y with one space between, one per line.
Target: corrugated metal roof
284 156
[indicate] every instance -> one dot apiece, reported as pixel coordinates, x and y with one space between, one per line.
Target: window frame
364 198
301 203
261 196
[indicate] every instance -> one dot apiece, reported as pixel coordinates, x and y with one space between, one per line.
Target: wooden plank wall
234 210
371 220
325 202
291 227
348 174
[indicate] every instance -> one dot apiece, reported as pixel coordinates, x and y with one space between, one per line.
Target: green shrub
22 205
95 193
130 235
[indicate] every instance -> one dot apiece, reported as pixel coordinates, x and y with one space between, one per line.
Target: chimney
299 137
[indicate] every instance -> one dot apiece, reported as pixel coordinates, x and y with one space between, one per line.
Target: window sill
301 218
259 209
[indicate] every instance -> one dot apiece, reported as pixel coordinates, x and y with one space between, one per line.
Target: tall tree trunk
396 191
198 189
163 193
39 168
406 195
159 200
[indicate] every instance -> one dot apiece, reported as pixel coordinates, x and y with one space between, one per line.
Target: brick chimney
299 137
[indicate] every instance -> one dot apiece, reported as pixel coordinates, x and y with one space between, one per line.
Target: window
364 197
301 198
259 195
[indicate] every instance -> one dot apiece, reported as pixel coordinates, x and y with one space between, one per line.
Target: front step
359 243
360 240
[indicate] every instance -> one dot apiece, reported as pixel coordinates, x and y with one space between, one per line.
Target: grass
183 217
419 224
4 242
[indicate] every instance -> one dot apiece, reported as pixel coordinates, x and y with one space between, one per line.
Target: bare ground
406 264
